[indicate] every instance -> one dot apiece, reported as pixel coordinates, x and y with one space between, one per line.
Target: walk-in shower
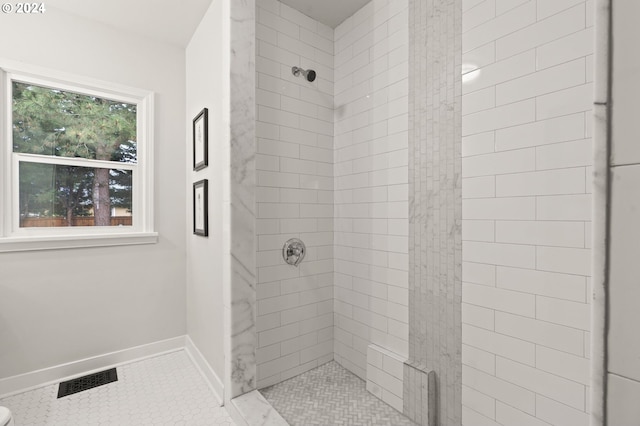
331 170
403 179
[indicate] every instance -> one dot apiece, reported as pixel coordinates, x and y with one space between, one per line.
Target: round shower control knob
293 251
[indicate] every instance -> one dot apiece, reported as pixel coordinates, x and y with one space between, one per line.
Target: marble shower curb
255 410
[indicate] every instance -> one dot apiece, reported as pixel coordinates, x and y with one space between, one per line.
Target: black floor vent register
87 382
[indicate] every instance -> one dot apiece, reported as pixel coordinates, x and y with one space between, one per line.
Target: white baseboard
46 376
205 369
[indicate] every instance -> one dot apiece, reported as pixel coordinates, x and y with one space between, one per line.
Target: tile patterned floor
330 395
165 390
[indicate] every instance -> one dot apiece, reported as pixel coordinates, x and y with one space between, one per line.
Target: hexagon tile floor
165 390
330 395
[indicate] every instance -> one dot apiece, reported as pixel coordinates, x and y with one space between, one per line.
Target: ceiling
329 12
175 21
169 21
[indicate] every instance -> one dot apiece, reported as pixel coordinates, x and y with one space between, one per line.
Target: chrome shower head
310 75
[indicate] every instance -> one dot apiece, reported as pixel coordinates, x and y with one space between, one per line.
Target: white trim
146 162
13 244
47 376
33 72
67 161
14 238
5 155
205 369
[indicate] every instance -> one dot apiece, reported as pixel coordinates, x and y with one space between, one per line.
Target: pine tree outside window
78 164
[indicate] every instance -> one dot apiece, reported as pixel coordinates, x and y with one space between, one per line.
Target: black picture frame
201 208
200 132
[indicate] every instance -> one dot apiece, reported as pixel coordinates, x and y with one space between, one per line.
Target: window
77 164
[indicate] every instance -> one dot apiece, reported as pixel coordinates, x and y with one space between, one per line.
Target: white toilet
5 417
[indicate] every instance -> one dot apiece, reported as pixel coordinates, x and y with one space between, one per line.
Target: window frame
15 238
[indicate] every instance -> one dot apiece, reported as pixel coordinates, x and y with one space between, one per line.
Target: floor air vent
87 382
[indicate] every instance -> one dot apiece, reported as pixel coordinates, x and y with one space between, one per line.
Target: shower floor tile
165 390
330 395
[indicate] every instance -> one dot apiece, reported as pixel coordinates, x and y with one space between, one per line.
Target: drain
87 382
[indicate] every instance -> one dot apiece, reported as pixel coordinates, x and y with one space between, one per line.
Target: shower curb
255 410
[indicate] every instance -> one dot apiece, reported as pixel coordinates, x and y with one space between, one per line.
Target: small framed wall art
201 140
201 208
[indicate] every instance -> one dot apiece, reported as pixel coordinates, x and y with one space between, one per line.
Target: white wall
526 211
294 192
206 77
61 306
371 183
624 292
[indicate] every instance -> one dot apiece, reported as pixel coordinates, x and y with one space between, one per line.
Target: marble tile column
241 351
433 373
601 216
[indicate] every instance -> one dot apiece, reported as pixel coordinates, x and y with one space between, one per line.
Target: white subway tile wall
623 345
527 101
295 192
385 375
371 190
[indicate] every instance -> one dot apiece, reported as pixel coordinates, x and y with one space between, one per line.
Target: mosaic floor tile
330 395
165 390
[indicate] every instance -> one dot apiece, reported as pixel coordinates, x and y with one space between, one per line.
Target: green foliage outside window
58 123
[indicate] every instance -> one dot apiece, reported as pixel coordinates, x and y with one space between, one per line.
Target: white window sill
12 244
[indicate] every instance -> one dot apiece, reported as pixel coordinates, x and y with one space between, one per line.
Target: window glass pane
54 195
55 122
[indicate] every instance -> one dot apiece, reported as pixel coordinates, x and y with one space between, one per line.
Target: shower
310 75
317 187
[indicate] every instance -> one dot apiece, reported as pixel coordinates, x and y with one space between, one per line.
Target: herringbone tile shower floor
330 395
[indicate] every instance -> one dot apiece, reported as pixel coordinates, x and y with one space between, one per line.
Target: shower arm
309 75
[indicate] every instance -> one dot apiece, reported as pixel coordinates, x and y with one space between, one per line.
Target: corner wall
371 195
206 77
294 192
527 118
239 215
